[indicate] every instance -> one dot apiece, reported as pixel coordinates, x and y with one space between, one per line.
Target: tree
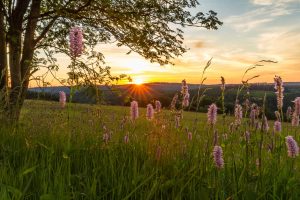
151 28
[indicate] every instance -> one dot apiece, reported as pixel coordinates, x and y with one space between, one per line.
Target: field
80 152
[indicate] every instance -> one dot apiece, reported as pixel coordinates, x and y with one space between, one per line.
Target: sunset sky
253 30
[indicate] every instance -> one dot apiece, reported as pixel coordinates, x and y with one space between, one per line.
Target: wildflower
279 91
190 136
289 113
157 106
238 113
297 106
252 117
184 88
134 110
76 42
277 126
62 99
247 104
295 119
292 146
174 101
185 102
150 112
218 157
185 94
265 124
212 114
126 139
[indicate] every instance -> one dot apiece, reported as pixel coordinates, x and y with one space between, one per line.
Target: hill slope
97 152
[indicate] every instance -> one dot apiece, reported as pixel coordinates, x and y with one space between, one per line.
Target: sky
253 30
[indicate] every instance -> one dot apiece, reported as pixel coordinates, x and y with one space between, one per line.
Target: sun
138 81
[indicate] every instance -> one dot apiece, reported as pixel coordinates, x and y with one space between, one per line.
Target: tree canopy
151 28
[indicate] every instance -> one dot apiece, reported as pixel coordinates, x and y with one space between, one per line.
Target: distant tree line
123 96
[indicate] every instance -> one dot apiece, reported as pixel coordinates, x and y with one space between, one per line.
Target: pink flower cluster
218 157
157 106
238 113
296 113
277 126
134 110
62 99
212 114
292 146
76 41
279 91
150 112
185 94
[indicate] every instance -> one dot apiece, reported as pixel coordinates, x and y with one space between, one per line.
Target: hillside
146 93
98 152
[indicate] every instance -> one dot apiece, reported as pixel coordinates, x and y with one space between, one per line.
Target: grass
58 153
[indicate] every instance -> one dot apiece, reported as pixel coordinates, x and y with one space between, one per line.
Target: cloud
268 11
270 2
199 44
262 2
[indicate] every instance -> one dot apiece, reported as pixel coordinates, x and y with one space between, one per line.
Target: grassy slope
60 154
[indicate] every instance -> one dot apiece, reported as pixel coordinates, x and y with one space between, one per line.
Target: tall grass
38 162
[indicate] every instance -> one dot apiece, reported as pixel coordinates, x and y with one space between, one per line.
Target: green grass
58 153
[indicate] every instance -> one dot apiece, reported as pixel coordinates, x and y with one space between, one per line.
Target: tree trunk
3 64
21 52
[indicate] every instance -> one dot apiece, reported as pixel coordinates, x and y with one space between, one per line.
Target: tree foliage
33 31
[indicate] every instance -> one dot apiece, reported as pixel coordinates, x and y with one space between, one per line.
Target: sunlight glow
138 81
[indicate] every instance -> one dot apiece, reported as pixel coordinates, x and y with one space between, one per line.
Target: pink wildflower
289 113
184 87
62 99
292 146
277 126
185 93
218 157
157 106
295 119
190 136
150 112
174 101
297 105
265 124
134 110
186 98
126 139
238 113
76 41
212 114
279 91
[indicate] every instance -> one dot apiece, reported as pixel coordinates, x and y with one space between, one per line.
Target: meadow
98 152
